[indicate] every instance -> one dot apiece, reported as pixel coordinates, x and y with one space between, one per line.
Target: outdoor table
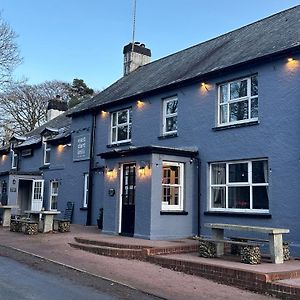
48 217
6 214
274 234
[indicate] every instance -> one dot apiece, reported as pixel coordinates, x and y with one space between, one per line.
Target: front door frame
121 192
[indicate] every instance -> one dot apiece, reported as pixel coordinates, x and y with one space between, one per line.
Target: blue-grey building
207 134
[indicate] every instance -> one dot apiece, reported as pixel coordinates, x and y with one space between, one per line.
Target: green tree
79 92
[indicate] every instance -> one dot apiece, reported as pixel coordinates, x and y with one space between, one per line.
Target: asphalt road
19 281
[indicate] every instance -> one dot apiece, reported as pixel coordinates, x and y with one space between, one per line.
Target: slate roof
62 123
272 35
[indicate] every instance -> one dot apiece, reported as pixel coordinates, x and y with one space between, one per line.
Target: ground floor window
172 186
86 190
239 186
53 195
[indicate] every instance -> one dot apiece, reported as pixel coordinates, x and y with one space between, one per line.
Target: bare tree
23 107
9 53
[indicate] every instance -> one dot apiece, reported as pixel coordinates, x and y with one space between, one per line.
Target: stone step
111 251
85 241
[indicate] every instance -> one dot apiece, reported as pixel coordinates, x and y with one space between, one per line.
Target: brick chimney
135 56
56 107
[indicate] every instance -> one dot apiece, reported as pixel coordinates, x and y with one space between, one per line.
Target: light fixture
290 59
140 103
103 113
142 170
204 86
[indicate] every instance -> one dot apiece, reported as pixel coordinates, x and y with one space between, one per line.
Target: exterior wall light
111 174
4 156
140 104
142 171
60 148
290 59
103 114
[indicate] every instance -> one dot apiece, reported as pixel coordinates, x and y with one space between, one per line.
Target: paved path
143 276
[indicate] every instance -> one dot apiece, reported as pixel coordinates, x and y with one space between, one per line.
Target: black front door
128 200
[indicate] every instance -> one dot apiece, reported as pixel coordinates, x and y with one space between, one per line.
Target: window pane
171 175
223 113
114 119
260 171
254 86
171 124
238 172
238 111
254 108
47 157
114 135
171 195
122 117
129 132
218 174
218 197
238 89
223 93
130 115
239 197
171 107
260 197
122 133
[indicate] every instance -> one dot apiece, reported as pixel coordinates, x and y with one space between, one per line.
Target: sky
67 39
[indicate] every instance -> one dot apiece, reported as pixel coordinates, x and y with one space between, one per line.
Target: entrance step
111 251
130 251
108 244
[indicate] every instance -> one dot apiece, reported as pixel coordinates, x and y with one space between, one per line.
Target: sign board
81 147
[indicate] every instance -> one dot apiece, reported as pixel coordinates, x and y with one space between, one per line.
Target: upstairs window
239 186
47 151
170 108
172 186
238 101
121 126
14 159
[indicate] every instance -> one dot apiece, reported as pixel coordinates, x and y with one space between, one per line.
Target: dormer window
47 150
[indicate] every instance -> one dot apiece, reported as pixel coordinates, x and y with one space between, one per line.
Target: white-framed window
240 186
170 109
86 190
238 101
172 186
121 126
53 195
14 159
47 151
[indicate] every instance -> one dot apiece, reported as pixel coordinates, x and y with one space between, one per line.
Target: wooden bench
65 222
274 237
249 251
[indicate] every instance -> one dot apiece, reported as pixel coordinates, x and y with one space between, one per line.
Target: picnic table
6 214
48 217
274 237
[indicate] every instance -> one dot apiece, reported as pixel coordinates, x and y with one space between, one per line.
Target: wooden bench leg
250 255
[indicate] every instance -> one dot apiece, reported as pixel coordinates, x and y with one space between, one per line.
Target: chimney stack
135 56
56 107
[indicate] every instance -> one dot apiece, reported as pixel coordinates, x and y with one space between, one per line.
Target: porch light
111 174
140 104
103 113
142 171
4 156
60 148
290 59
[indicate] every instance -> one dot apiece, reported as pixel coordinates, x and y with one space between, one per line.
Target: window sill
174 213
238 214
118 144
230 126
167 136
83 208
44 167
